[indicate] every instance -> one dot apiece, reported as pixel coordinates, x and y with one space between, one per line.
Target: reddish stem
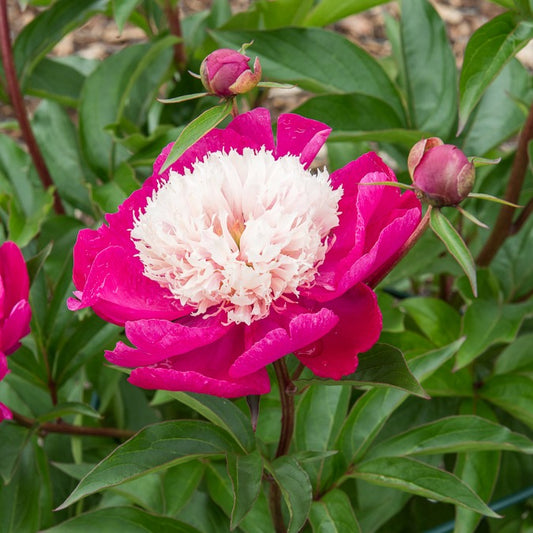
174 24
69 429
17 101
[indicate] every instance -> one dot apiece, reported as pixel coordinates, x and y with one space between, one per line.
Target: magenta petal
16 326
14 276
166 339
3 366
255 127
5 413
271 341
300 136
357 331
204 370
122 294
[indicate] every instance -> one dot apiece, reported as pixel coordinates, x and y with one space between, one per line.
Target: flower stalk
17 101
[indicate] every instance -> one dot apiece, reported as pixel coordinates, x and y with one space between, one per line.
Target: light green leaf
69 408
333 513
455 245
195 130
122 9
295 488
179 483
488 50
113 519
245 472
418 478
453 434
328 11
516 358
154 448
429 67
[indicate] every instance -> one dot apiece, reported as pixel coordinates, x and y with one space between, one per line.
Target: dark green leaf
328 11
488 50
294 55
221 412
154 448
430 71
455 245
381 366
418 478
179 483
69 408
452 435
246 472
195 130
295 488
114 519
122 9
516 358
14 438
333 513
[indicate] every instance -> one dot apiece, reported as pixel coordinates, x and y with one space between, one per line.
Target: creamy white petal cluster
238 231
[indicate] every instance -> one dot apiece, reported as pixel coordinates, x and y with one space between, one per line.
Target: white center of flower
237 232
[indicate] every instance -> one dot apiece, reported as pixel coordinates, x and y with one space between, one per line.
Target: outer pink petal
359 327
16 326
276 336
14 275
255 127
3 366
204 370
118 292
163 338
5 413
297 135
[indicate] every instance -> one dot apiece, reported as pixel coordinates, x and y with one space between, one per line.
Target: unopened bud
226 72
441 173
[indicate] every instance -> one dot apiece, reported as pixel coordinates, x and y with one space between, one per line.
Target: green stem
504 223
17 101
286 393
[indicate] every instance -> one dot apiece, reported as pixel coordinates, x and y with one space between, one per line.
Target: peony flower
15 312
225 73
441 173
238 254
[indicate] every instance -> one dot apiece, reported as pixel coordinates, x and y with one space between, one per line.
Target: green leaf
328 11
516 358
221 412
57 139
122 9
179 483
487 322
418 478
373 409
295 488
47 29
333 513
453 434
497 117
511 392
397 136
455 245
438 320
122 86
381 366
488 50
353 117
296 55
154 448
479 470
69 408
182 98
430 70
195 130
114 519
246 472
14 438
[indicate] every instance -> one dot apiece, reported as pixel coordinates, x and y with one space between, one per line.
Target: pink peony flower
238 255
226 72
15 312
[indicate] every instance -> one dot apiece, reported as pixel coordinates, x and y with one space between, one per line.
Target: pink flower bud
226 72
441 173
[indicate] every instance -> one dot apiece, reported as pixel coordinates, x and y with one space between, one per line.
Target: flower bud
226 72
441 173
